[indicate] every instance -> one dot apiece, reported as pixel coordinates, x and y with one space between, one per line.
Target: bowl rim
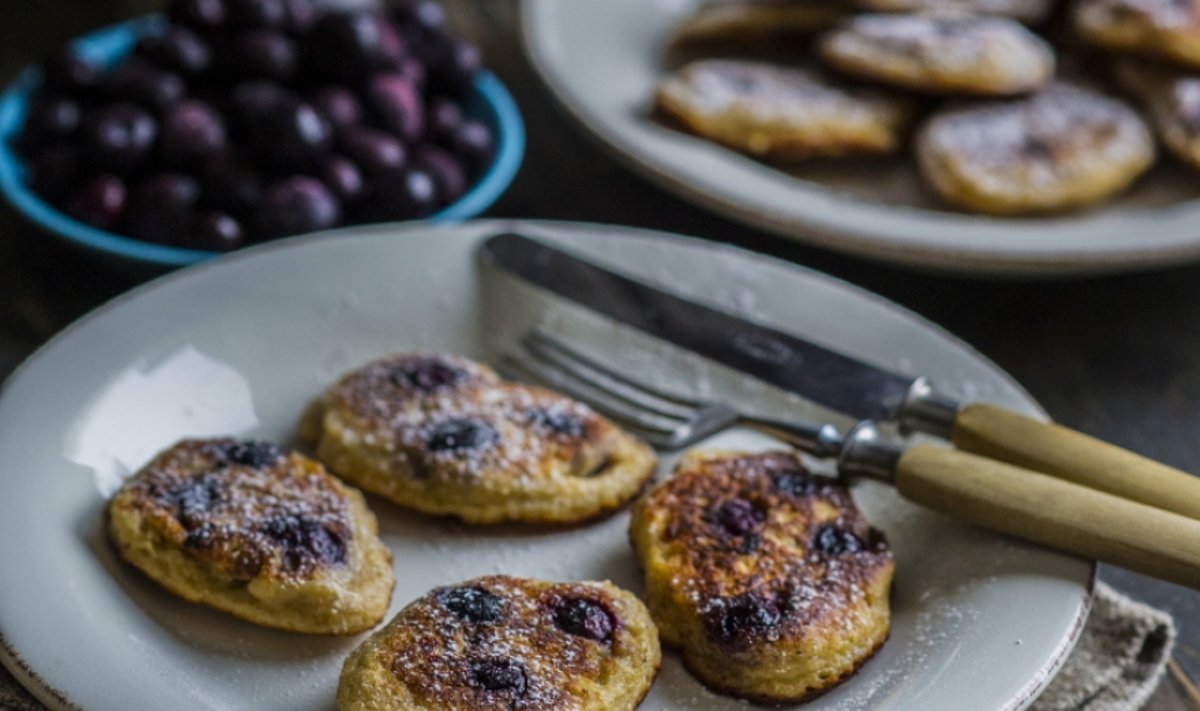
108 44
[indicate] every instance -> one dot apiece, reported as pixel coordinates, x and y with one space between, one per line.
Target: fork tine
609 380
562 380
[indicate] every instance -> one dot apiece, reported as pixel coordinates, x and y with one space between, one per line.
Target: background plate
602 61
240 345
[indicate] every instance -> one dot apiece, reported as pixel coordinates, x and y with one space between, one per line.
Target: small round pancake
1166 29
780 113
941 54
1023 10
264 534
767 578
499 643
1173 102
750 23
446 436
1061 148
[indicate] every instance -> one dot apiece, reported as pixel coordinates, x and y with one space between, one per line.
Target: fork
985 492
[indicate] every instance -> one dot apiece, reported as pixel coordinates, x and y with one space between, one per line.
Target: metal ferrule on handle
924 410
868 454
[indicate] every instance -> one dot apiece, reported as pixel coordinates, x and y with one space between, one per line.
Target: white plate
603 59
240 346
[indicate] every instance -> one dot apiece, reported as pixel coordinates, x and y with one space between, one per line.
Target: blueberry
376 152
191 131
428 15
559 422
251 453
195 499
306 541
427 375
348 46
398 105
339 106
413 71
343 177
448 173
405 196
204 16
231 183
101 202
217 231
121 136
456 74
734 618
473 604
794 482
831 540
299 16
584 618
268 54
66 72
178 50
444 117
499 674
462 435
54 117
303 137
54 169
256 13
139 81
256 100
160 209
284 131
474 142
297 205
739 517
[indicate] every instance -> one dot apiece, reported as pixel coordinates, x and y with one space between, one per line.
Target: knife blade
843 383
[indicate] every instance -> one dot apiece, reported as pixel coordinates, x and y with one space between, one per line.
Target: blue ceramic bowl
490 103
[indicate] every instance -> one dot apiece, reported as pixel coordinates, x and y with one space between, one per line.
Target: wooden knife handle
1052 512
995 432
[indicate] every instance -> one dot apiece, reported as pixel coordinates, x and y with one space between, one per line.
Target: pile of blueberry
247 120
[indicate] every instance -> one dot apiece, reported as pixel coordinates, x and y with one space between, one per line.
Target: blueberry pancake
264 534
941 54
767 578
1167 29
1023 10
446 436
498 643
780 113
1172 100
1061 148
750 23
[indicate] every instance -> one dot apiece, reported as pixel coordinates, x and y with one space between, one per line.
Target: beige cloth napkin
1116 665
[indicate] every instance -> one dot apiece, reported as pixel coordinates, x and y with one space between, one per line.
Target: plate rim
58 700
979 261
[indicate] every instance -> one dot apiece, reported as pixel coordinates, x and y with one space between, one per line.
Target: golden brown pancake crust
500 642
768 578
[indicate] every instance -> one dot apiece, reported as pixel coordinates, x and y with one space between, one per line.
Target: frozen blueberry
281 129
339 106
231 183
66 72
54 169
348 46
444 117
456 74
178 50
101 202
376 152
204 16
448 173
462 435
161 208
739 517
474 142
499 674
121 136
343 178
218 232
191 131
306 541
398 105
832 540
142 82
267 54
407 195
297 205
427 375
473 604
584 618
735 618
256 13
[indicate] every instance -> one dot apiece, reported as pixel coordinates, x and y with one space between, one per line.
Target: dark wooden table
1117 357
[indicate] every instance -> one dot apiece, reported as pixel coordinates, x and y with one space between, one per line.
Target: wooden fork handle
1053 512
995 432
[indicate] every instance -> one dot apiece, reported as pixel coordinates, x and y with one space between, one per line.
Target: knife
845 384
